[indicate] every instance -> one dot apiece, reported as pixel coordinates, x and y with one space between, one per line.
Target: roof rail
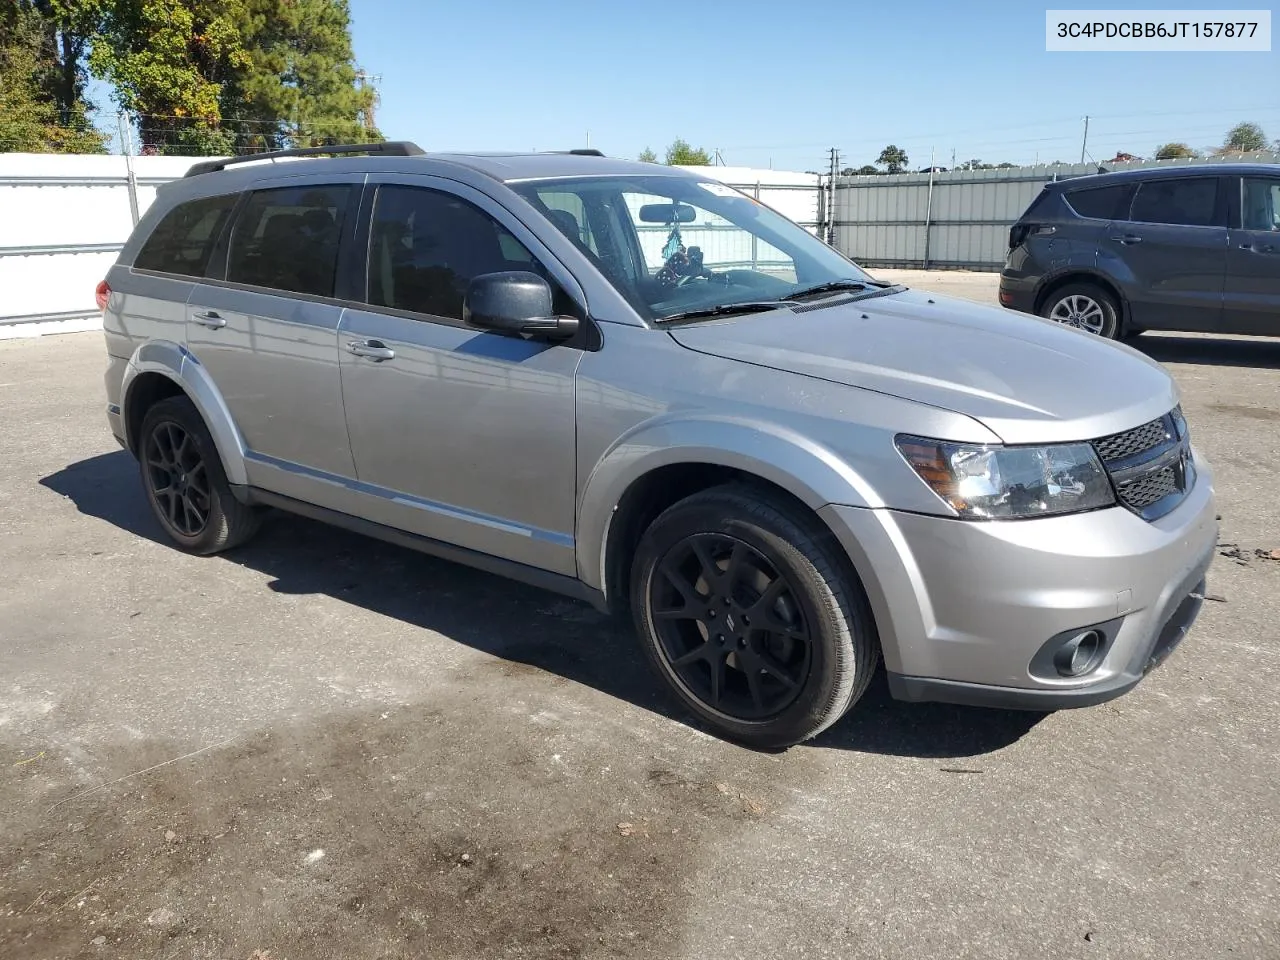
388 148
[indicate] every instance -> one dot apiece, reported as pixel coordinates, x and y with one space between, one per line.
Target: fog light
1080 654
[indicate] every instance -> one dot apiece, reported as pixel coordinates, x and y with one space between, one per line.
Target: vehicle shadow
519 624
1215 351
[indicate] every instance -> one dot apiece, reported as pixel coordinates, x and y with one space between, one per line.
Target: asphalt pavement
321 746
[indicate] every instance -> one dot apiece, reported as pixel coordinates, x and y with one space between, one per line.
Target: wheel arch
1083 275
160 369
651 469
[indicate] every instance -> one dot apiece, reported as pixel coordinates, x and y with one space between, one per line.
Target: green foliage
221 76
647 156
1174 151
32 117
169 60
301 86
893 159
1245 138
866 170
681 154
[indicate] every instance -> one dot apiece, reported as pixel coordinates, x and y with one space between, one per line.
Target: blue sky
781 82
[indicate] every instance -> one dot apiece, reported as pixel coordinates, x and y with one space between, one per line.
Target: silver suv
639 387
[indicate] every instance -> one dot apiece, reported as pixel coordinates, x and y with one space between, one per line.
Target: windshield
674 246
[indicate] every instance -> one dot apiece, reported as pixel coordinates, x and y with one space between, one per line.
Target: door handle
375 350
1256 249
1127 239
210 319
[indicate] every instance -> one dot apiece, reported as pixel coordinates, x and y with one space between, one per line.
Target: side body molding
809 471
179 365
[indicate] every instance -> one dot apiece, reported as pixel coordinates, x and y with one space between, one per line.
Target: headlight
1010 482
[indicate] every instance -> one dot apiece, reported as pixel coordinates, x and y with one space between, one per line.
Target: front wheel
745 609
1084 306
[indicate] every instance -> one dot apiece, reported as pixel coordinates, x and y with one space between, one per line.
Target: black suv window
287 239
184 238
1189 202
1098 203
425 247
1260 206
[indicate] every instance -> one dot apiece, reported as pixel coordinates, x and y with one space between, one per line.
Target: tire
813 648
193 467
1085 306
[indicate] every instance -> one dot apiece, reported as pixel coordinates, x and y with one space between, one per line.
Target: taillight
1018 233
102 294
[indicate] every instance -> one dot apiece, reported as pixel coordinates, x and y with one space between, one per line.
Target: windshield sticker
719 190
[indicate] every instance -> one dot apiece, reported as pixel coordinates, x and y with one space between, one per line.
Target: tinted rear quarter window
183 240
1099 203
287 239
1190 202
1041 206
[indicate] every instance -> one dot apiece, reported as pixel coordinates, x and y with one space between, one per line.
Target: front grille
1149 488
1120 446
1149 465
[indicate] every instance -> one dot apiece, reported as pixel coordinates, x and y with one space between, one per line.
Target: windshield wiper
724 309
833 285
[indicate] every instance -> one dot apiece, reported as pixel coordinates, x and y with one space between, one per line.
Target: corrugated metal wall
881 221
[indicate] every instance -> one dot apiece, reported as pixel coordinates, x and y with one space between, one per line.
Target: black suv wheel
745 611
185 483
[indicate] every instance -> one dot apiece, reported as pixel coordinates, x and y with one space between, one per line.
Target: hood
1026 379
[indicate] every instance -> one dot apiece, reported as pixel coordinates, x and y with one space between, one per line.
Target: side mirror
515 302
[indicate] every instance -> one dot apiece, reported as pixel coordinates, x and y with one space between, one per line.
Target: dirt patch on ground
441 832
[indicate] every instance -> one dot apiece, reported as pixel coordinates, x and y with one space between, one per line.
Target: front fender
809 471
174 361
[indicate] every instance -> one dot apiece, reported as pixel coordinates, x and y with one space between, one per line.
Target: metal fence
956 220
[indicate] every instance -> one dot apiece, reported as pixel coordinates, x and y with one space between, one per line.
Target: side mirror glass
515 302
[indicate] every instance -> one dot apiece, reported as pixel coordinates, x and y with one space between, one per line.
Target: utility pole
831 193
928 209
953 158
1085 139
126 147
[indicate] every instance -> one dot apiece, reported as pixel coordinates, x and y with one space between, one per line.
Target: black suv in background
1193 248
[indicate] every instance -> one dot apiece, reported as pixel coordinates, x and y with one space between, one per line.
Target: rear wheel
185 483
1085 306
744 608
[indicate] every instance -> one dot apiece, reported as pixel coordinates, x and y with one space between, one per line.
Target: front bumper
964 608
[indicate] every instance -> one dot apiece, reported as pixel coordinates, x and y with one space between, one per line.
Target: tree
213 76
301 86
647 156
681 154
32 119
1174 150
1245 138
894 159
866 170
169 60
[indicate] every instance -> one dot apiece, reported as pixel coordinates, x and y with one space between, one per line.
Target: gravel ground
320 746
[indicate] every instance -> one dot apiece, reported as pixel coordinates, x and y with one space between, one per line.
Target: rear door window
287 239
1191 202
183 240
1099 203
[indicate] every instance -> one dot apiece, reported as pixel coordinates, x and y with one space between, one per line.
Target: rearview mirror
515 302
667 213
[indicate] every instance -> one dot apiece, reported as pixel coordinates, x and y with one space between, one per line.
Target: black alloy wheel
179 478
730 627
